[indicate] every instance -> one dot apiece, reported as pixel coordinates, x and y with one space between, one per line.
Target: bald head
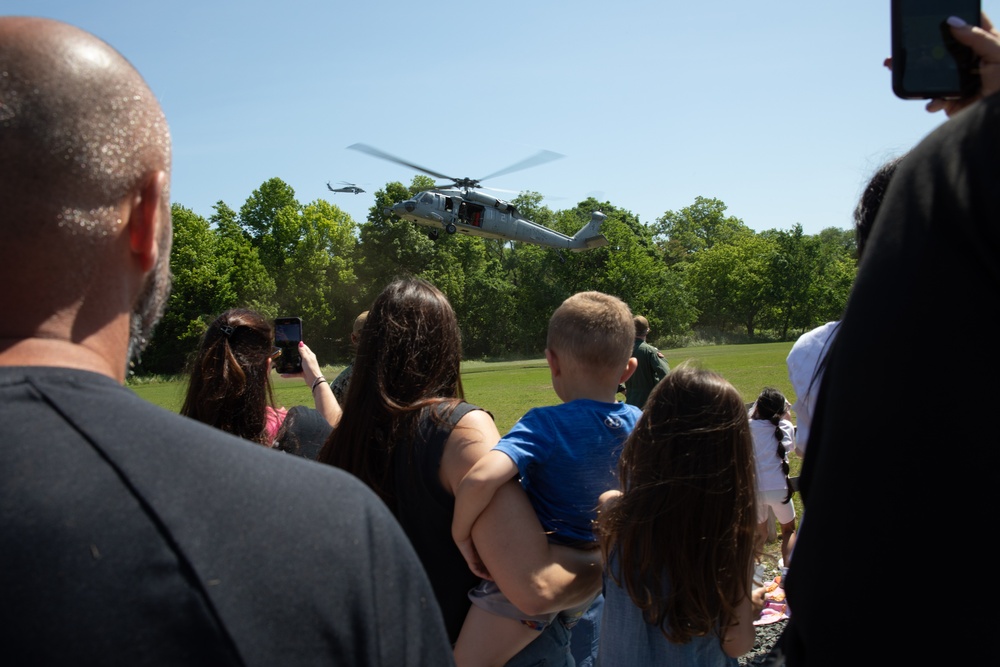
79 129
84 199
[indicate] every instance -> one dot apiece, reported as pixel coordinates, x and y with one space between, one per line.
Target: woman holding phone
229 386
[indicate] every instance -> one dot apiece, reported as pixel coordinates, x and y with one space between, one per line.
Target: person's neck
56 352
589 391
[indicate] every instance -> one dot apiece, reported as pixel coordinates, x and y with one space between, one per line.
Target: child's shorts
783 512
487 596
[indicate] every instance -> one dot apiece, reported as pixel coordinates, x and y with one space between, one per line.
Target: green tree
241 265
388 245
199 291
793 268
730 281
698 227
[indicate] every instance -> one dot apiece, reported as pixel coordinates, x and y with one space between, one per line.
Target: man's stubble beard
151 304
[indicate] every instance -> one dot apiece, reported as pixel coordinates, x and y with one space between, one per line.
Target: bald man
128 534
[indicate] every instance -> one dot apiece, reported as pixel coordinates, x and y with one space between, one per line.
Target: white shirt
770 477
802 360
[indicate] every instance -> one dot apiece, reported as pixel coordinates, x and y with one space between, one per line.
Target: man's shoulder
651 351
151 444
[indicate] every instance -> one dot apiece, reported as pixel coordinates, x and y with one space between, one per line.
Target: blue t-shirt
567 456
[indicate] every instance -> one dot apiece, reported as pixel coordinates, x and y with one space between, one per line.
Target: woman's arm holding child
473 495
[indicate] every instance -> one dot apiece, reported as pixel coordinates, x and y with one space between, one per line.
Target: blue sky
780 109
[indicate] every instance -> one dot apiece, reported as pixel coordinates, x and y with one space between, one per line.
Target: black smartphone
927 62
287 335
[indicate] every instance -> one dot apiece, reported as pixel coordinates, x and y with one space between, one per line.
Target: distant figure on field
652 366
565 456
339 384
773 438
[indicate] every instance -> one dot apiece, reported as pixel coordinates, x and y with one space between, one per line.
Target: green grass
509 388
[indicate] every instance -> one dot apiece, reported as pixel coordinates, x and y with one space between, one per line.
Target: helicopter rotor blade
374 152
535 160
514 192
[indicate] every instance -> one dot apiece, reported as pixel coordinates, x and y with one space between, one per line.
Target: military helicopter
462 207
348 187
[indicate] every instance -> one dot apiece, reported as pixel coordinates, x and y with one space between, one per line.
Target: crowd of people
407 530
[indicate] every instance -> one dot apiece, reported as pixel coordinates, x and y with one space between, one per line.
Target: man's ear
145 219
630 367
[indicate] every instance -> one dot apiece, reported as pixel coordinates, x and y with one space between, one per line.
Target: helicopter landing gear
433 234
451 228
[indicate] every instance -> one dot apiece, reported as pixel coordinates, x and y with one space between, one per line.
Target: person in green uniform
652 367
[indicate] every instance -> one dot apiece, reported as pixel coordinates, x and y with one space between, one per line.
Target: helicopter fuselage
476 213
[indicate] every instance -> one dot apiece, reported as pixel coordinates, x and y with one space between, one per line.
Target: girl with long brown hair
678 540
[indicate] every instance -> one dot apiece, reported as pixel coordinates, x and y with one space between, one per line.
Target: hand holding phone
927 61
287 336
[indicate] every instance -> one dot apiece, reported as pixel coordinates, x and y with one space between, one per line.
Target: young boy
566 455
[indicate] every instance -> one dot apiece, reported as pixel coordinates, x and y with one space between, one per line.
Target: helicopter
463 207
348 187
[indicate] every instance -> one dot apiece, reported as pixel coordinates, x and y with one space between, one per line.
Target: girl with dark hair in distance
773 438
678 539
229 385
409 434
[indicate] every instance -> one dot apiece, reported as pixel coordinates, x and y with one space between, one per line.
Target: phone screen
287 334
927 61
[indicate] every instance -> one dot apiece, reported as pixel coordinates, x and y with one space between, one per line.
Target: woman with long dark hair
410 435
229 385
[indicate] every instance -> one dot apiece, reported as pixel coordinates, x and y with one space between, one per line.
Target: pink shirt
275 418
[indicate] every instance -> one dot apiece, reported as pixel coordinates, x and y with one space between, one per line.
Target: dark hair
409 358
867 208
687 518
770 406
865 215
229 385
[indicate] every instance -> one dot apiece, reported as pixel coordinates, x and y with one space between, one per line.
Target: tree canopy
696 274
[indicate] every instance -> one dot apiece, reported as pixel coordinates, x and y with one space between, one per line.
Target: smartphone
927 62
287 335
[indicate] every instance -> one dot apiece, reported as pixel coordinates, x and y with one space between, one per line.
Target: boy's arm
473 494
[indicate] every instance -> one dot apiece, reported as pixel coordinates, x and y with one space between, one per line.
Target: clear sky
781 109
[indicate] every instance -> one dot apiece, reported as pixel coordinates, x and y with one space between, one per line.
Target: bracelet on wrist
316 382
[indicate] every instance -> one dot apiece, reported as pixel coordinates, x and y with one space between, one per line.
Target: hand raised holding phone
984 42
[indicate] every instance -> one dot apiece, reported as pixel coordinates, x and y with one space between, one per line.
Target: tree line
697 274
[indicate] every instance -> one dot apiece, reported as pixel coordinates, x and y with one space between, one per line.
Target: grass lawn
509 388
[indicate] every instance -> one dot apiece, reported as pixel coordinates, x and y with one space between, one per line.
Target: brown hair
409 357
686 519
595 328
229 386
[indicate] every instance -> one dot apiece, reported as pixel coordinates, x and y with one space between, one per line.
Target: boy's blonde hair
594 328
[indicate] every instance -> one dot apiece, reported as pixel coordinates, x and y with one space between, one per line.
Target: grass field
509 388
